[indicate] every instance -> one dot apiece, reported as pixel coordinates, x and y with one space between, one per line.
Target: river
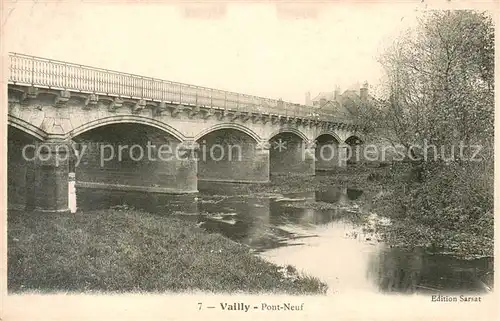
328 234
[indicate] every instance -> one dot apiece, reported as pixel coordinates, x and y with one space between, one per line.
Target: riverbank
361 177
134 251
431 216
442 215
450 212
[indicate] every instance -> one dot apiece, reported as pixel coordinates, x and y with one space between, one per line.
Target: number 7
199 303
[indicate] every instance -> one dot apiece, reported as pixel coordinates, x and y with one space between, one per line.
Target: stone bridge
114 130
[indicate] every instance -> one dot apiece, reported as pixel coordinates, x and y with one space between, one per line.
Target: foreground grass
132 251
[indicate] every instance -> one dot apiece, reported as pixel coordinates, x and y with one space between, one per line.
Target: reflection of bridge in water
68 107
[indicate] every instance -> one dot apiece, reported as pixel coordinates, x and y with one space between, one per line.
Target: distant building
344 104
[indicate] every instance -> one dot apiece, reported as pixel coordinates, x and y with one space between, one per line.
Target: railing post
211 98
32 71
10 67
142 87
180 94
163 90
65 67
225 99
94 81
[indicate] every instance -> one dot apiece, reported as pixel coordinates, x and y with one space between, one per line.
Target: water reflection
335 194
353 194
332 195
395 270
301 228
93 199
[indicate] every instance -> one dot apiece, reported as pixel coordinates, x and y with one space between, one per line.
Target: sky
263 49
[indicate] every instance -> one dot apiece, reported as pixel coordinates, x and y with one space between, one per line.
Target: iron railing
42 72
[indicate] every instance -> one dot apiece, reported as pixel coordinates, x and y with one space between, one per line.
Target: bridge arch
22 139
114 156
330 133
234 126
27 128
354 139
328 151
228 152
289 130
135 119
355 152
287 155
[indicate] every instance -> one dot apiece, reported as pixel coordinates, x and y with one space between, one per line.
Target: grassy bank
123 251
449 211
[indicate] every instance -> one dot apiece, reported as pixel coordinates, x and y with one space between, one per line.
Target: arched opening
288 155
231 155
327 153
133 157
355 150
26 127
127 119
20 169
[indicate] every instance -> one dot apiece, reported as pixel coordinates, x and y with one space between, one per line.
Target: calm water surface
320 233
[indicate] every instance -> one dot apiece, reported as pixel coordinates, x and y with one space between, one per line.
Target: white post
72 193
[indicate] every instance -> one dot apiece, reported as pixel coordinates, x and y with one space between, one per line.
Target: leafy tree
439 88
440 82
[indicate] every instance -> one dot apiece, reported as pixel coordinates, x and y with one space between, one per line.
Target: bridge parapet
47 73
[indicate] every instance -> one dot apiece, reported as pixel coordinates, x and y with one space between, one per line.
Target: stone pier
50 177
